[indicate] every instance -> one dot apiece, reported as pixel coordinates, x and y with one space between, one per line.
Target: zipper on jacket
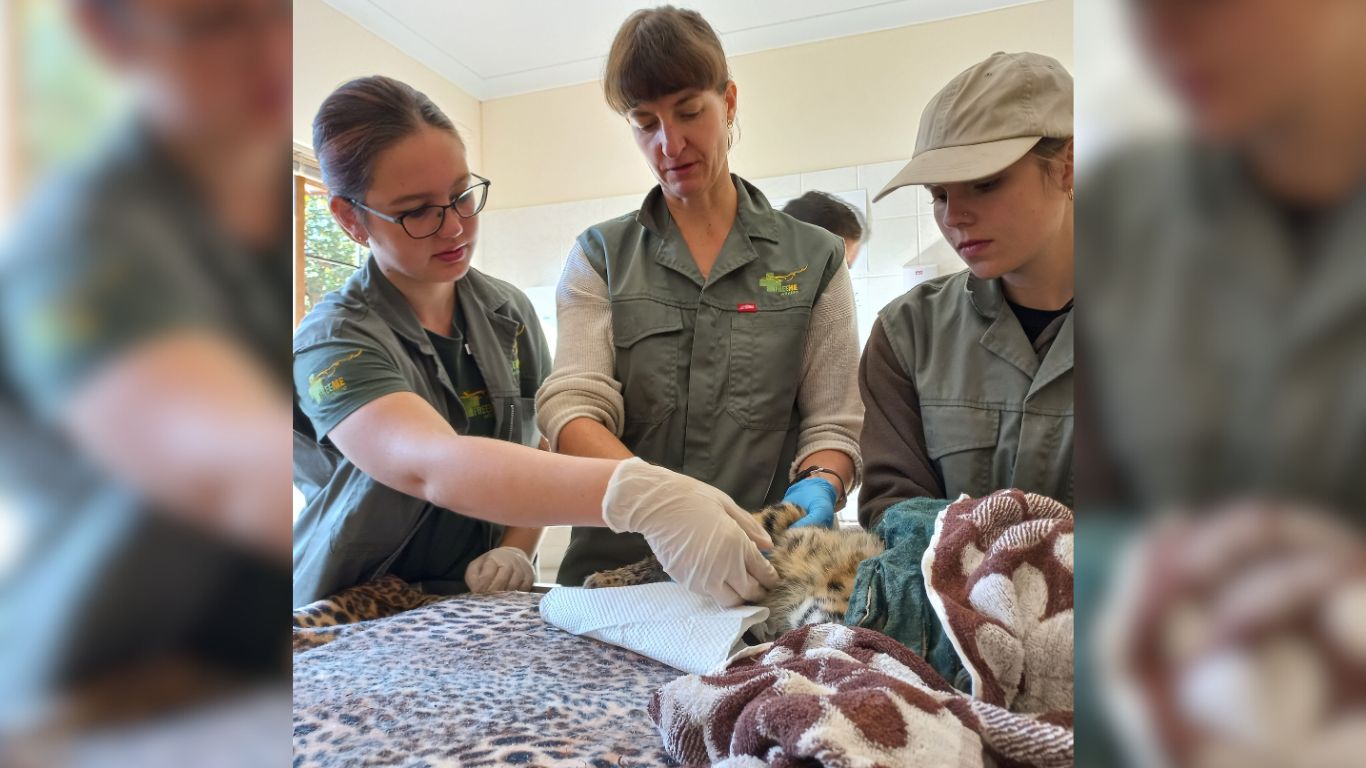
512 414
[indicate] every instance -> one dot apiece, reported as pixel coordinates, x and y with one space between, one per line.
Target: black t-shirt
475 417
1034 321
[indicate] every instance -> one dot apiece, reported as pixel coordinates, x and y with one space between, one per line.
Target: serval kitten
815 565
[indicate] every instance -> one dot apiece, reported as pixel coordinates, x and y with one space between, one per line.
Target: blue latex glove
817 496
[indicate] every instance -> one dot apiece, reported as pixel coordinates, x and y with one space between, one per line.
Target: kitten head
818 568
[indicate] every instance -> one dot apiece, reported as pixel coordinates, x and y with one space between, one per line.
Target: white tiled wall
527 247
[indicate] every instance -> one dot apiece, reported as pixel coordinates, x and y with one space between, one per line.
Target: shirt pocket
961 442
765 367
646 335
518 423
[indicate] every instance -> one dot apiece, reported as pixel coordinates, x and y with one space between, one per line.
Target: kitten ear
779 517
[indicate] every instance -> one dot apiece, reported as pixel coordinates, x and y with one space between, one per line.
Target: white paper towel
663 621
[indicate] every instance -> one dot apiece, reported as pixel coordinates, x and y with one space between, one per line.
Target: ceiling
496 49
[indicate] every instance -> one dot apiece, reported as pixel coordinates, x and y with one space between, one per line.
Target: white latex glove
500 570
702 538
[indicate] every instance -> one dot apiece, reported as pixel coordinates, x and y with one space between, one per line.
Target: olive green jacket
1225 339
959 401
353 527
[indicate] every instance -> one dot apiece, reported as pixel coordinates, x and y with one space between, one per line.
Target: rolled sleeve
335 378
582 384
828 397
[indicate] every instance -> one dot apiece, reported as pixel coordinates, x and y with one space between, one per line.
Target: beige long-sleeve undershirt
582 384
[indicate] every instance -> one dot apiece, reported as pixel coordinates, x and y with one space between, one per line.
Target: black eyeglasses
426 221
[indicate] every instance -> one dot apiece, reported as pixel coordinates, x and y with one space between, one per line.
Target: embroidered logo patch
476 404
326 383
780 283
516 353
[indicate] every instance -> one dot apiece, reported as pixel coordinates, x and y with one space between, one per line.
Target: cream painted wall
836 103
330 48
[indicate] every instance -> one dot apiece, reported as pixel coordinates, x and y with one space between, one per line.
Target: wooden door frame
300 242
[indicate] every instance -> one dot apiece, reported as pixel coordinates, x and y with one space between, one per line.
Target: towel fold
664 622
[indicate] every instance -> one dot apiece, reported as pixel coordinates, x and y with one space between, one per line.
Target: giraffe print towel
999 572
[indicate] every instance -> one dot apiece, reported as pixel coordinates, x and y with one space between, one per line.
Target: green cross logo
780 283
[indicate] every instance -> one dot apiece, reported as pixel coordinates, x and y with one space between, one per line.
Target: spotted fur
470 681
318 622
816 566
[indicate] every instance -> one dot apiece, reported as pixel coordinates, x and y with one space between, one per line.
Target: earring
1071 194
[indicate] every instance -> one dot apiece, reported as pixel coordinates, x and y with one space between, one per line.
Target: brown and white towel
998 572
839 696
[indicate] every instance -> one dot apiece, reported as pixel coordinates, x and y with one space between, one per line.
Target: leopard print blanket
386 675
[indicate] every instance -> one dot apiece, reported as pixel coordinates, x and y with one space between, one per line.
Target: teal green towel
889 590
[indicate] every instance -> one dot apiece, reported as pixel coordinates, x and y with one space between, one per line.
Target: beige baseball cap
988 117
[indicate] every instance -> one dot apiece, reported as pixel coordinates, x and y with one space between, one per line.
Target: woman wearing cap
413 425
712 334
967 378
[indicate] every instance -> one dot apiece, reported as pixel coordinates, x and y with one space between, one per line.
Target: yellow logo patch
516 351
476 404
325 383
780 283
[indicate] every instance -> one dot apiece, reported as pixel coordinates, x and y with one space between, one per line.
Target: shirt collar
477 296
986 296
752 210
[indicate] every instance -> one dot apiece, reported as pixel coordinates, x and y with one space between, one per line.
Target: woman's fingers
761 571
748 524
502 578
726 596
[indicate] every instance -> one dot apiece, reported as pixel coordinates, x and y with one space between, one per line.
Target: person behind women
414 384
143 385
833 215
712 334
967 378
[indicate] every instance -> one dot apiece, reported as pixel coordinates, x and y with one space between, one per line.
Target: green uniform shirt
340 381
709 368
340 377
107 257
365 341
959 399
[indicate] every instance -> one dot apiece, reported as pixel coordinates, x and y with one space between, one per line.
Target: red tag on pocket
747 308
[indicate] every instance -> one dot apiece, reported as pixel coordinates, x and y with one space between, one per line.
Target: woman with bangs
710 334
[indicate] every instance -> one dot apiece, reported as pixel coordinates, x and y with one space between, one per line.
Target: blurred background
144 453
1221 400
68 98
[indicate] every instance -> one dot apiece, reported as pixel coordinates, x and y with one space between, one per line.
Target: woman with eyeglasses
415 386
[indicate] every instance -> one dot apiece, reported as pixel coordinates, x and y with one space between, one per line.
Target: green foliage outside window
329 255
